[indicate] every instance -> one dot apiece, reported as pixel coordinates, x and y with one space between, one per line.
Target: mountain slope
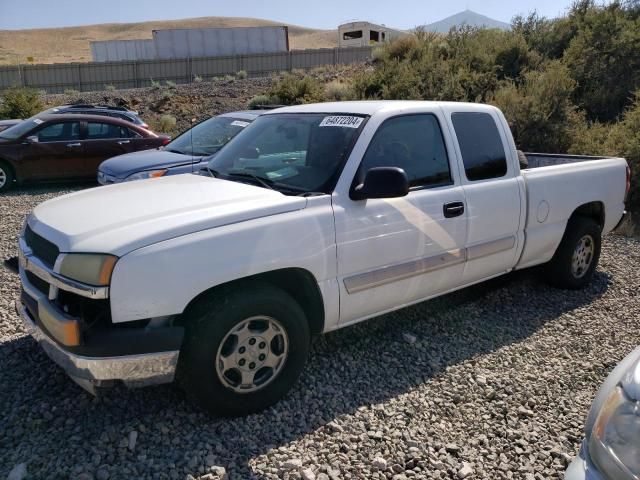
468 18
71 44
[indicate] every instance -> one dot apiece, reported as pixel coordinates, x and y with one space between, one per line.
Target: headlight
615 439
91 268
146 174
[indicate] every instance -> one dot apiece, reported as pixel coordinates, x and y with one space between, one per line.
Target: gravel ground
493 382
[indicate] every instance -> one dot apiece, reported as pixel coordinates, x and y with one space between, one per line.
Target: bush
259 100
109 88
540 111
18 102
167 123
197 79
155 85
295 90
337 91
241 75
171 84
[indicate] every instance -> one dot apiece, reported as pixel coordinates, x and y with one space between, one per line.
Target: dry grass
71 44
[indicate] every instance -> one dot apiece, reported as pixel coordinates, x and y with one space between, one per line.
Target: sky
326 14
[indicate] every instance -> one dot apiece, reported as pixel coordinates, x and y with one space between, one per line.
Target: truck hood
120 218
124 165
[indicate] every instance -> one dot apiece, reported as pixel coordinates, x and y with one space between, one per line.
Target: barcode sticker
342 121
238 123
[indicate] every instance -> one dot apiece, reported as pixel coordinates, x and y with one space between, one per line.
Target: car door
394 252
104 140
54 151
493 191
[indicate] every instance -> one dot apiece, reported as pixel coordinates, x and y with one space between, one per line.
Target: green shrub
171 84
229 78
71 91
197 79
540 112
167 123
337 91
262 100
155 85
18 102
295 90
109 88
241 75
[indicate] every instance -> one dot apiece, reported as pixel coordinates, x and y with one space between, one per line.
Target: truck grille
41 247
37 282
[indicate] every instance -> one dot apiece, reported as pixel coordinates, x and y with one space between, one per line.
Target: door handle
123 142
453 209
70 145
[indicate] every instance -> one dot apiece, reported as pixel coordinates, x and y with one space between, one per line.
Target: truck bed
555 186
537 160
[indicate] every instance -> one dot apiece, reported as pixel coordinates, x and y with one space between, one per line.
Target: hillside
71 44
469 18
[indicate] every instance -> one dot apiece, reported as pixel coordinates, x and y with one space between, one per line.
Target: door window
105 131
482 151
60 132
413 143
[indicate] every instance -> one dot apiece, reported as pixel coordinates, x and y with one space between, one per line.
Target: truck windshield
207 137
294 153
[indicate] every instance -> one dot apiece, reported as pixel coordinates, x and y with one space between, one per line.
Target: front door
57 153
394 252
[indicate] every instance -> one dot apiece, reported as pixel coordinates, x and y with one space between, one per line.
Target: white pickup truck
313 218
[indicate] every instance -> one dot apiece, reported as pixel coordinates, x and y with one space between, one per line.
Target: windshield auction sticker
342 121
238 123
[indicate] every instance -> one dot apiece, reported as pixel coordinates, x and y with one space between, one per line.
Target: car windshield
17 131
207 137
293 153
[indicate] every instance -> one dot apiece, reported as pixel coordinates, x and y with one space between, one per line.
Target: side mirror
31 139
382 182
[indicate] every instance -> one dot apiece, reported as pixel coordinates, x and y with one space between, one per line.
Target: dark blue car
185 154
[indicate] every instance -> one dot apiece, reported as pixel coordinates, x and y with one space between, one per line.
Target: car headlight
615 439
146 174
91 268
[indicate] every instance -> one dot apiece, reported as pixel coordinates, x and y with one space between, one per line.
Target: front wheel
244 349
6 177
576 259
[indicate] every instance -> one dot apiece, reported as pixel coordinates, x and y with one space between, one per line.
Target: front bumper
582 468
96 356
134 370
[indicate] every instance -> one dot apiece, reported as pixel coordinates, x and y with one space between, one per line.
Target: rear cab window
483 153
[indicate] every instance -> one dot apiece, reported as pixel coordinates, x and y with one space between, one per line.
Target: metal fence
86 77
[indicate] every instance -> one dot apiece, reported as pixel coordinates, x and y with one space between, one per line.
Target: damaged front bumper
133 370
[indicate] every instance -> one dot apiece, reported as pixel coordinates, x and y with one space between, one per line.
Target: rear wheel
576 259
244 349
6 177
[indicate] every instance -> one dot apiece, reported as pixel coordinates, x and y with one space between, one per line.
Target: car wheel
6 177
576 259
244 349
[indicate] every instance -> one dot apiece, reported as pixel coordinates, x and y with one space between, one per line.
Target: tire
577 256
6 177
220 325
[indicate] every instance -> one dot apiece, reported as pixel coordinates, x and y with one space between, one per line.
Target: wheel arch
297 282
11 167
593 210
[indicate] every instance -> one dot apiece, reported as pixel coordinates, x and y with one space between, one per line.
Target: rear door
493 193
104 140
57 154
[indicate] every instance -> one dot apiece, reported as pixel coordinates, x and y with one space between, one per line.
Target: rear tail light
628 187
166 141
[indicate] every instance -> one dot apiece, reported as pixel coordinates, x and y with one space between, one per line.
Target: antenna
193 120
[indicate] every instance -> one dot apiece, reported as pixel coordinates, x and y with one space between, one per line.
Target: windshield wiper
265 182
